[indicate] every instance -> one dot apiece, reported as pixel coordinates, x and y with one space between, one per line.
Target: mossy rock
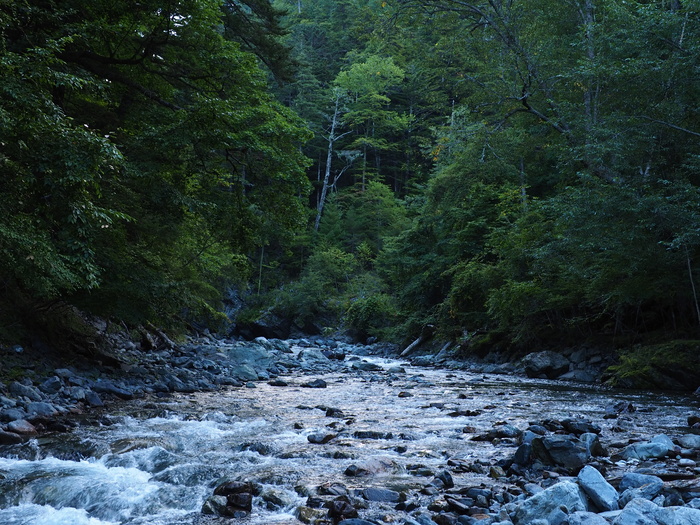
674 365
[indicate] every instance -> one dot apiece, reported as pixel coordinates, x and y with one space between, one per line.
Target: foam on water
46 515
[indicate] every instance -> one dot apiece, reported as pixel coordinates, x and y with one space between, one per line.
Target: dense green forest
512 172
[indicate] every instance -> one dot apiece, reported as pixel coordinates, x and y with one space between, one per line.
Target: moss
674 365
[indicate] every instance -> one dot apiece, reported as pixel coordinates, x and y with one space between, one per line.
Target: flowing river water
155 461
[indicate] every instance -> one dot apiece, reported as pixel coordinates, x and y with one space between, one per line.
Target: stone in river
316 383
320 438
341 509
377 494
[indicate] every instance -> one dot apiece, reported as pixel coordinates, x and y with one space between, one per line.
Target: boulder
545 365
690 441
677 516
632 480
22 427
40 409
552 504
570 453
107 387
52 385
646 450
637 512
376 494
366 366
316 383
9 438
30 392
313 358
602 494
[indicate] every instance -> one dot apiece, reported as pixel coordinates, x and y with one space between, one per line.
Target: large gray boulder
545 365
602 494
552 504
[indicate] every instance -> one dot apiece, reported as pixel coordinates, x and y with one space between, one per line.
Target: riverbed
157 460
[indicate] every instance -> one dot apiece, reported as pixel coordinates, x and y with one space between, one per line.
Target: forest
513 174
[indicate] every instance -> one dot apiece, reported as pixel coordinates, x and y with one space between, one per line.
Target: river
155 461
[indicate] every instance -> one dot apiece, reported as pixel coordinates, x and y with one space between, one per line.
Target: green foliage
143 158
672 366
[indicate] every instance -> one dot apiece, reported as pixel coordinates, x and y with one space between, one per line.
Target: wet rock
341 509
316 383
312 516
356 521
405 394
548 504
602 494
366 366
277 498
239 497
217 506
372 434
334 412
320 438
332 489
580 426
334 354
377 494
278 382
546 365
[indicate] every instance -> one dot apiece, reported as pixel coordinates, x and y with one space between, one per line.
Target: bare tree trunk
332 137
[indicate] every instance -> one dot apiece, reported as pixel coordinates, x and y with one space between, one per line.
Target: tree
145 160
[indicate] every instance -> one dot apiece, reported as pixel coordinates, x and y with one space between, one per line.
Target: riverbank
486 455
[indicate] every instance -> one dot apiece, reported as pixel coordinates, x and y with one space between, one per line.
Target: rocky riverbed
322 432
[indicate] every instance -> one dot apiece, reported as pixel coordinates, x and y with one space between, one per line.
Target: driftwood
425 334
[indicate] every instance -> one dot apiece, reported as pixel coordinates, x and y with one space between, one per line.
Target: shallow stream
156 461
